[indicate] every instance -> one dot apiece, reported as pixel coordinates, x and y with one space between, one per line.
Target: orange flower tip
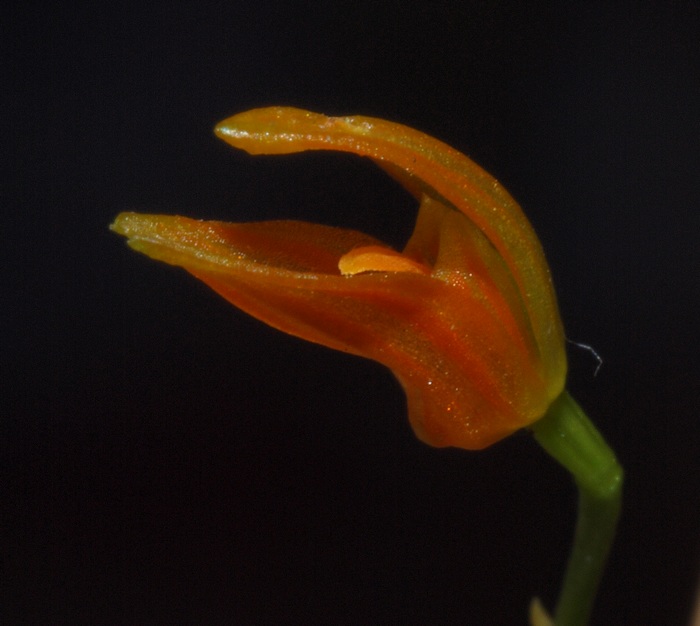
272 130
159 236
143 227
378 259
126 223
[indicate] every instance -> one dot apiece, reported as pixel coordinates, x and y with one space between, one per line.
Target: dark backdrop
166 459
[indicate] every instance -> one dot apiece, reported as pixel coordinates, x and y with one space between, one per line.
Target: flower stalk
567 434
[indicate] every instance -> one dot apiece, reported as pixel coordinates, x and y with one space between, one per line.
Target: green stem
567 434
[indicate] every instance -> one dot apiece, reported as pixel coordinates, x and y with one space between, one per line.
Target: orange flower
465 316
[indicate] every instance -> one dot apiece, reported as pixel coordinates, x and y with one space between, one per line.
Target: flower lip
378 259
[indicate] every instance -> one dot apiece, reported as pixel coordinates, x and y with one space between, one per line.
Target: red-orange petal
467 383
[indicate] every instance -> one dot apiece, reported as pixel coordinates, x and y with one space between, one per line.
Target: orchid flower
465 316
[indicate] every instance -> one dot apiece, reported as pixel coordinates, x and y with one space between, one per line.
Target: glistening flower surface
465 316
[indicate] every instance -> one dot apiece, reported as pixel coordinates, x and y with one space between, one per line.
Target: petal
467 383
297 248
467 260
450 175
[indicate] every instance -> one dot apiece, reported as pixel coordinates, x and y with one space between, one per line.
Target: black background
166 459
